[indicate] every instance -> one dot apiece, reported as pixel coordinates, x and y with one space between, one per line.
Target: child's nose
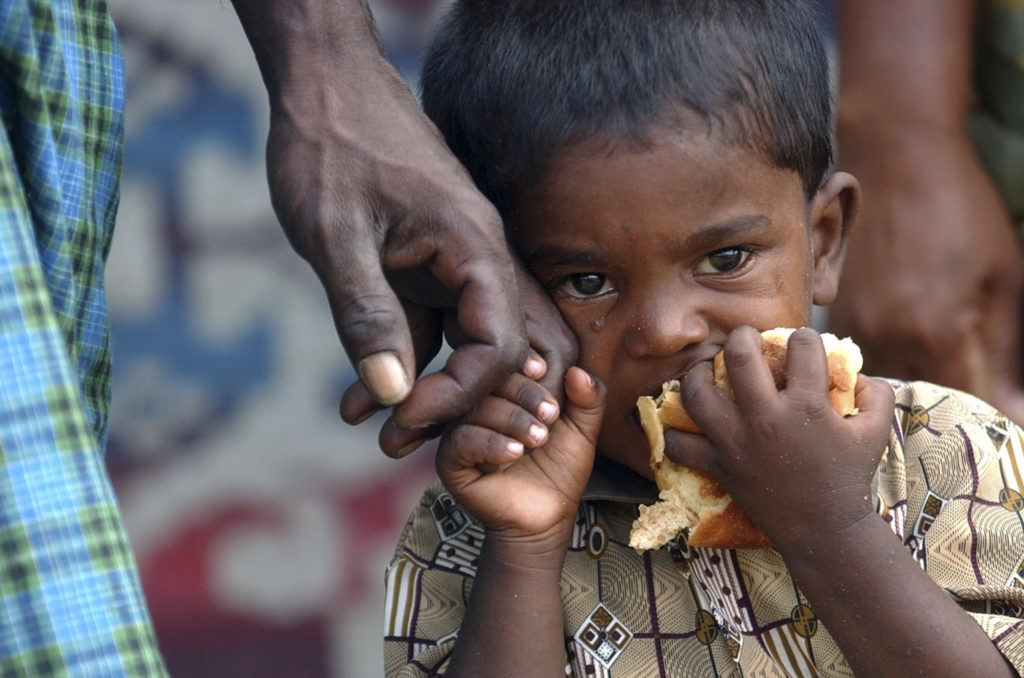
663 327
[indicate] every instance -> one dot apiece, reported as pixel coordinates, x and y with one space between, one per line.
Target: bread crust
693 502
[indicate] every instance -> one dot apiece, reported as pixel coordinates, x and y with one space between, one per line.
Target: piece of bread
692 501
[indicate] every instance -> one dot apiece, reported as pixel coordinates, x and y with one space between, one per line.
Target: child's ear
833 212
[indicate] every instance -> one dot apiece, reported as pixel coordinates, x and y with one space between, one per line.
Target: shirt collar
613 482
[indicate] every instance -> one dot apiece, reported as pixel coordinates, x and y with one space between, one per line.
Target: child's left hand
794 465
486 464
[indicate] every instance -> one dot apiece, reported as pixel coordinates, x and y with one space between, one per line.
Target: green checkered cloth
70 597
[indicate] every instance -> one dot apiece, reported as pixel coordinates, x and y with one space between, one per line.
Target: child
663 169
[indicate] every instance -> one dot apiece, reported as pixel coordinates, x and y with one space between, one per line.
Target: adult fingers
491 321
368 315
398 441
357 403
548 333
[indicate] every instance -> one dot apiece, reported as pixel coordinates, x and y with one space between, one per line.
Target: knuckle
518 420
514 350
456 439
742 358
805 336
495 442
365 317
527 393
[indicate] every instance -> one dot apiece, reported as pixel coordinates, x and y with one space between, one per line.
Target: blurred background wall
260 521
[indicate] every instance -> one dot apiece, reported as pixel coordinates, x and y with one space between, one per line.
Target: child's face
653 257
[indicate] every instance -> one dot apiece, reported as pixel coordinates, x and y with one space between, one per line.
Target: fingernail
515 447
547 411
384 376
408 449
362 418
538 433
534 368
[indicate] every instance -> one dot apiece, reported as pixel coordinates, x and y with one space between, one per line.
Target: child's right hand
486 463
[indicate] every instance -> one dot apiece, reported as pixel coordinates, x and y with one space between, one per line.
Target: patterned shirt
950 488
70 598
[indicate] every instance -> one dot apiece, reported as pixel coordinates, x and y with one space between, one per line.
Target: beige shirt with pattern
950 487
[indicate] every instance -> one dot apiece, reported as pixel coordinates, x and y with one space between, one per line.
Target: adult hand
932 284
392 224
553 351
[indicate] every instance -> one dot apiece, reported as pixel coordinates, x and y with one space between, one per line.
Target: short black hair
510 83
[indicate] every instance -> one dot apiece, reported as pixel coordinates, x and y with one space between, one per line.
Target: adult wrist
299 43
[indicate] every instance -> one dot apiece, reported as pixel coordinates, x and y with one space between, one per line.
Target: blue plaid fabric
70 597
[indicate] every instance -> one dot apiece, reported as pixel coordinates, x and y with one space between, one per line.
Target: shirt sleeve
952 490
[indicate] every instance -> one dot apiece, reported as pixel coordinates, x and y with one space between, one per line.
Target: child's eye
723 261
584 285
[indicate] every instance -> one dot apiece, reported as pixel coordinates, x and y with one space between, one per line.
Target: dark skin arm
802 472
368 193
905 87
513 624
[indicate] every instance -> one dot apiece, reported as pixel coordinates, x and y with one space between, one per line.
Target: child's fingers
530 396
705 403
508 419
752 384
585 401
807 368
535 367
692 450
875 400
467 446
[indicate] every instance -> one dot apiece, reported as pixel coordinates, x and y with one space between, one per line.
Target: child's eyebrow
555 255
737 228
706 239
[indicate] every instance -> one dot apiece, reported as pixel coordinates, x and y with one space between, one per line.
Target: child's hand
794 465
486 463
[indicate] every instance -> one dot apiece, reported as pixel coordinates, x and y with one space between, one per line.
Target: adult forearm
887 615
297 42
904 65
513 623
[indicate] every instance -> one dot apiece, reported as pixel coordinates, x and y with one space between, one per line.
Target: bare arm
884 611
803 473
932 284
514 624
368 193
